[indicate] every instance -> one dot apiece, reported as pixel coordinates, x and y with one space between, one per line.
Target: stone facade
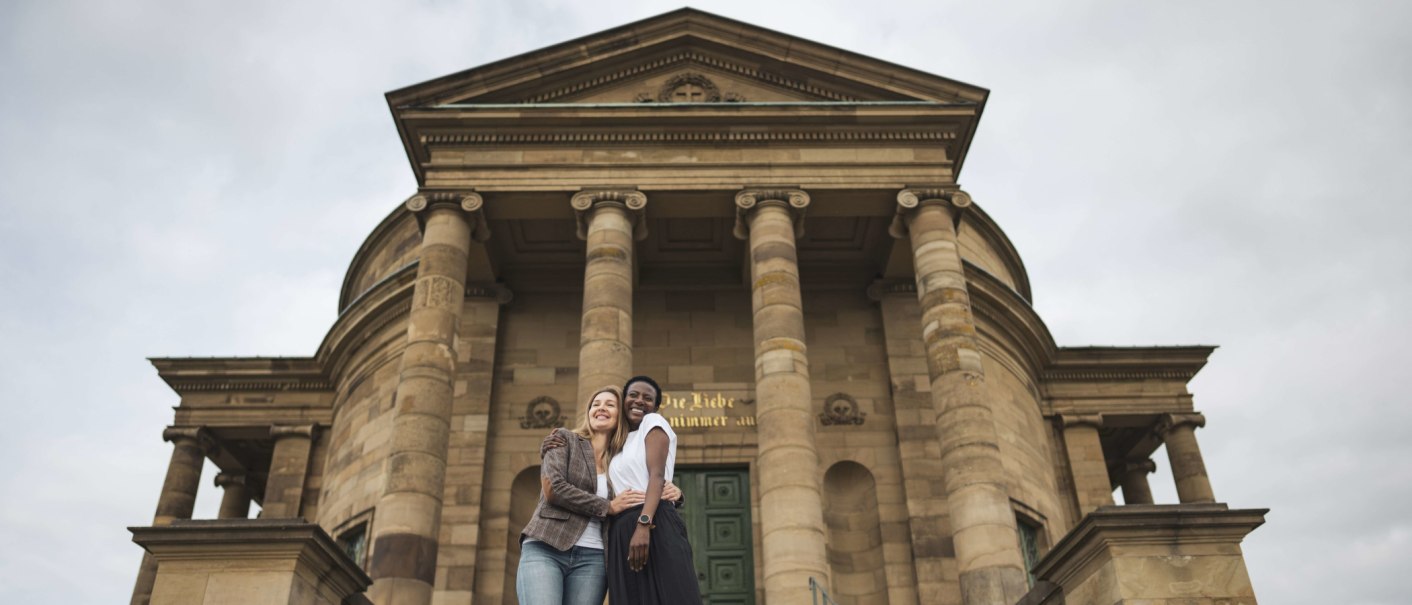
773 229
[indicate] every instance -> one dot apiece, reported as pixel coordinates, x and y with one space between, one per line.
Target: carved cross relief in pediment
689 87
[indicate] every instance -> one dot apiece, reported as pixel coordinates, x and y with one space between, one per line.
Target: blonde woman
561 553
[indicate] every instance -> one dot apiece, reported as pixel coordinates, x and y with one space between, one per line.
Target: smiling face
640 400
603 412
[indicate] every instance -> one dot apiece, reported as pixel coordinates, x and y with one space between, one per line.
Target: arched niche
855 544
524 496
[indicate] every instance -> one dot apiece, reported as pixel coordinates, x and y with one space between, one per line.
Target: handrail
816 590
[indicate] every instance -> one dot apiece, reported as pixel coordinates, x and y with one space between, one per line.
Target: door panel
717 517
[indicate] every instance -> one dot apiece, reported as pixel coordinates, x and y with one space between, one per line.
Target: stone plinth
1180 554
245 561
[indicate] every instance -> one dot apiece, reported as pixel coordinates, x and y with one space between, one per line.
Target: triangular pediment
694 76
687 56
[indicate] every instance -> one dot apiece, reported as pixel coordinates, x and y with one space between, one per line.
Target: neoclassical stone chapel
867 403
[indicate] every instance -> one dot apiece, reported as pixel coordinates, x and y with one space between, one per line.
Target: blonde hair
617 437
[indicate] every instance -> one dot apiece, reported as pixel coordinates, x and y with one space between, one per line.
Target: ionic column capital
1091 420
584 202
224 480
1144 466
498 292
747 200
282 431
912 198
197 434
469 202
1173 421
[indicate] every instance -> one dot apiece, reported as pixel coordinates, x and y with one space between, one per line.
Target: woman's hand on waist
626 500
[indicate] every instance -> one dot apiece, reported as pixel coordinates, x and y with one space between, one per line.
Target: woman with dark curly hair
649 558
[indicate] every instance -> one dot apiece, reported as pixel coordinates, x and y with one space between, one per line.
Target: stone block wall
397 247
354 461
1027 444
536 356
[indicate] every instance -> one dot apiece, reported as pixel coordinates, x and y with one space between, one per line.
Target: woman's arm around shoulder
557 488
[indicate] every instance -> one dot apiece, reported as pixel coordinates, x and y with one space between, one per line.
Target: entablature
189 375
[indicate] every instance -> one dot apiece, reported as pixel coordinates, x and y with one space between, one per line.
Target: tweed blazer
568 479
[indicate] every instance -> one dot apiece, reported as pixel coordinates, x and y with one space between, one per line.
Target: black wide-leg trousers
669 578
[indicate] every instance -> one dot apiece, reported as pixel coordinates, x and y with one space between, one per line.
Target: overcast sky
192 178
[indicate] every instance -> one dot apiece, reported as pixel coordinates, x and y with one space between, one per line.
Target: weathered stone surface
1165 554
245 561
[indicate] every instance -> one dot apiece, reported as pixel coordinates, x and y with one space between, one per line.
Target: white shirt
592 535
629 468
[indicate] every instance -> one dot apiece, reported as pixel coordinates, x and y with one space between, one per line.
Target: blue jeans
550 577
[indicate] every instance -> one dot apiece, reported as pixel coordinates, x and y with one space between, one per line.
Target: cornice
1028 336
223 374
677 27
612 136
1108 364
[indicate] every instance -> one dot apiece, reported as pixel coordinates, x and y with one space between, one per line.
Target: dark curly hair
657 403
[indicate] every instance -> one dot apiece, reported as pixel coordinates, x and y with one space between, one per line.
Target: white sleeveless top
629 468
593 534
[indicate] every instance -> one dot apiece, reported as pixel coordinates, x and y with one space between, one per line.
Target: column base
239 561
1150 554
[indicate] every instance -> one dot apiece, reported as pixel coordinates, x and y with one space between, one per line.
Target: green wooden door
717 515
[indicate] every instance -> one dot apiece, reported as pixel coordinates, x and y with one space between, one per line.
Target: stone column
791 506
1091 484
289 467
1179 433
609 221
1135 488
988 558
190 445
235 499
408 517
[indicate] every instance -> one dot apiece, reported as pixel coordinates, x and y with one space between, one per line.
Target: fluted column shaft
289 467
988 558
178 499
1188 468
791 506
1135 487
1090 471
608 222
408 518
235 496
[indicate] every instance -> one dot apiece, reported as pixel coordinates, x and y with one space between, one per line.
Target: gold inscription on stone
705 410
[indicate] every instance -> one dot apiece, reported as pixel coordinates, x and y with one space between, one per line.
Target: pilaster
919 452
461 506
